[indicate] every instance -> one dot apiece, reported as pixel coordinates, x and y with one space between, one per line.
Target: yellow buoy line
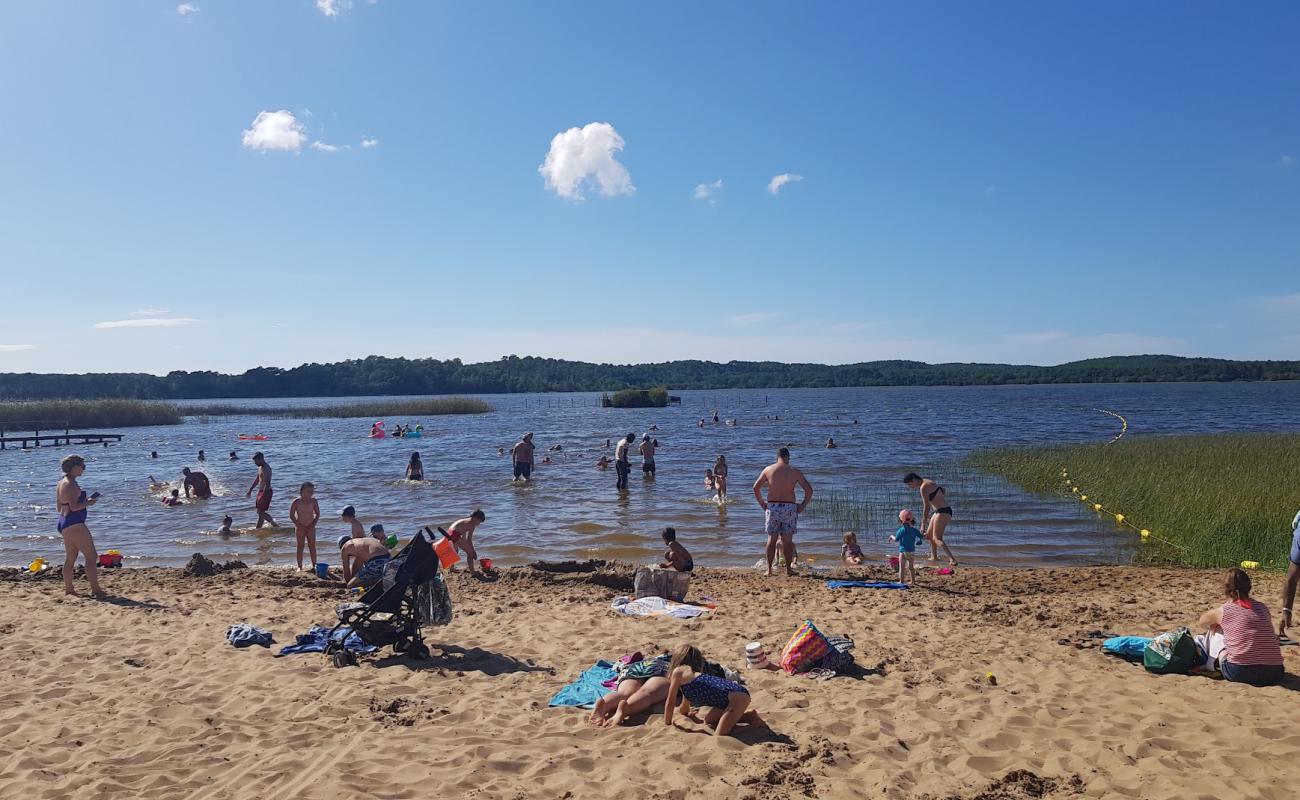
1123 422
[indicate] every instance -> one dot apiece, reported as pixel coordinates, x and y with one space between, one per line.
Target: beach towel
656 607
1129 648
245 635
586 689
314 641
865 585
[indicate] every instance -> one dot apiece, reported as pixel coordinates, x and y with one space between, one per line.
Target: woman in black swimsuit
415 469
936 513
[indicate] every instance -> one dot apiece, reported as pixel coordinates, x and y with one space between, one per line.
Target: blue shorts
1255 675
373 571
1295 539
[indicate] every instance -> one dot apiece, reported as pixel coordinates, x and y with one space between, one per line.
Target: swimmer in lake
174 499
414 468
226 522
233 457
602 462
720 477
830 443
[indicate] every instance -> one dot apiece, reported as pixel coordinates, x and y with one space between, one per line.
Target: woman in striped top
1251 653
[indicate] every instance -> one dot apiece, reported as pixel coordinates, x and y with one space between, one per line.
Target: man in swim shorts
198 482
1292 578
264 493
621 464
363 560
647 450
522 456
780 507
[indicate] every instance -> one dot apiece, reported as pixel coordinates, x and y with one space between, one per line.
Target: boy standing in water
304 512
349 515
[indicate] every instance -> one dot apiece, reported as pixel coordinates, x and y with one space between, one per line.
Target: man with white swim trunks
782 510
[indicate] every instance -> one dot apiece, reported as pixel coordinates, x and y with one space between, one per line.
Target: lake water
571 509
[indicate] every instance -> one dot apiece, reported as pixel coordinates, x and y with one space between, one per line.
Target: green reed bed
1208 501
872 507
84 414
398 409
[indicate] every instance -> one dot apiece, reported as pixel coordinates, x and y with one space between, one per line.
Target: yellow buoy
1096 506
1250 565
1119 518
1144 533
1083 498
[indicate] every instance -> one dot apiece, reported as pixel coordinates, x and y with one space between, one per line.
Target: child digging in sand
907 536
305 513
728 702
850 552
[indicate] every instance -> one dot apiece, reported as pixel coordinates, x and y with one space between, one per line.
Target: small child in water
708 478
349 515
174 499
226 522
907 536
305 513
727 701
850 552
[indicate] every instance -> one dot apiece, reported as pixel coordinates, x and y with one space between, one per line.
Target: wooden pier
15 433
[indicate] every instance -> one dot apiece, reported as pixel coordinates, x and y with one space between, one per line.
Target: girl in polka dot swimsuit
727 701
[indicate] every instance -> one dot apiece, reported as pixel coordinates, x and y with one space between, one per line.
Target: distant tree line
377 375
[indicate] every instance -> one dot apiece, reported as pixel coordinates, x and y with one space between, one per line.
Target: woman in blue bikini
72 504
728 702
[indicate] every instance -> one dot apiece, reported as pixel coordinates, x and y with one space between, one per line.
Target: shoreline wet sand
141 696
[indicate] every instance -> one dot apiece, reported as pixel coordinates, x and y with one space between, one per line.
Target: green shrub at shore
427 407
640 398
1208 501
83 414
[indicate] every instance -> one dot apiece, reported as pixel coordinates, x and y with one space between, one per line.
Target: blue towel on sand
314 641
245 635
1126 647
865 585
587 689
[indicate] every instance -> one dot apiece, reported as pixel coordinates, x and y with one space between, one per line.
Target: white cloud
1056 347
1286 162
325 148
774 185
147 322
709 191
275 130
331 8
150 312
580 155
756 318
366 144
187 9
16 348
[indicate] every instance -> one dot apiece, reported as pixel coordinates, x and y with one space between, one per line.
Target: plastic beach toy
37 565
446 553
1250 565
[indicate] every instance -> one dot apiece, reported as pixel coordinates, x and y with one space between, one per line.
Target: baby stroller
391 612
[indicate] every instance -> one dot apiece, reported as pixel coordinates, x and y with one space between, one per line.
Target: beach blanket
314 641
1129 648
865 585
586 689
245 635
656 607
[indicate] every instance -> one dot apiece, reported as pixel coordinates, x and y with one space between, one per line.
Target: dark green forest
377 375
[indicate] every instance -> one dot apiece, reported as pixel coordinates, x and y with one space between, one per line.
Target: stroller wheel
401 645
418 653
343 658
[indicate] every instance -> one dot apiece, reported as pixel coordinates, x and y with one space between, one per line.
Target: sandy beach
143 697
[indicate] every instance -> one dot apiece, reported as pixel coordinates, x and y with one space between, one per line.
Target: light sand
146 699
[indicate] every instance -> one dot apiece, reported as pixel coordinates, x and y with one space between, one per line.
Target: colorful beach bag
1173 652
804 649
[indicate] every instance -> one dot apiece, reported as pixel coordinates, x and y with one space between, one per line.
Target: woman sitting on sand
1240 635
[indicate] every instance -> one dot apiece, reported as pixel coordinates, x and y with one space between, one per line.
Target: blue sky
1027 182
